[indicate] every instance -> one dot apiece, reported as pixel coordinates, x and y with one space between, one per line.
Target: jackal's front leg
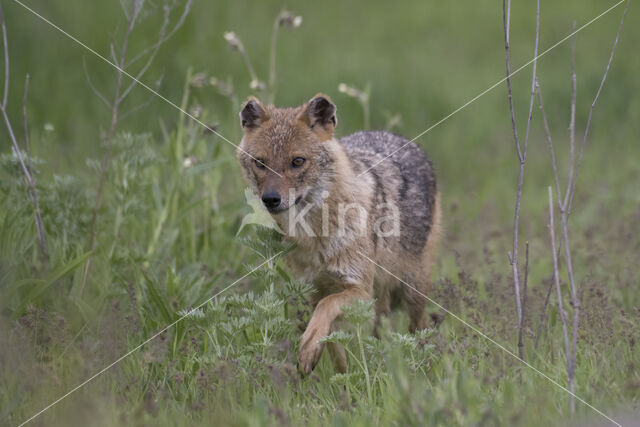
327 310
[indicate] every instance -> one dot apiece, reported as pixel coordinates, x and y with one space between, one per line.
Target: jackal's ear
253 114
320 111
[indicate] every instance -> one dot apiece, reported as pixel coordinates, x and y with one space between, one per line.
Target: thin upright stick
564 215
556 279
522 151
593 104
572 123
565 203
524 302
547 133
272 58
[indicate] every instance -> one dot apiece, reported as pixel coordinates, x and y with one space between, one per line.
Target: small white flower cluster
289 20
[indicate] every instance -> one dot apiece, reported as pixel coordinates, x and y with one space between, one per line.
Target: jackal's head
286 153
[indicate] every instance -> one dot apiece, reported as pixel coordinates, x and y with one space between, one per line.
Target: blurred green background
420 61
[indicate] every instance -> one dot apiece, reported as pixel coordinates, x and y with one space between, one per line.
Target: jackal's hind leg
415 306
383 308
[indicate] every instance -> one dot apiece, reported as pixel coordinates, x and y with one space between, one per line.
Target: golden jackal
349 204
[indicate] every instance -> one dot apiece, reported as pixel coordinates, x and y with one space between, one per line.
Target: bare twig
547 133
571 362
506 18
272 58
163 37
546 304
572 123
522 151
93 88
147 64
25 122
112 52
288 20
542 317
524 302
28 176
235 43
593 104
140 106
564 205
5 43
556 280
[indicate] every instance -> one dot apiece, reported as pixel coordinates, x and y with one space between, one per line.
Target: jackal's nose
271 200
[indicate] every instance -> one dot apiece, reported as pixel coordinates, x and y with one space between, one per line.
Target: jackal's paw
310 348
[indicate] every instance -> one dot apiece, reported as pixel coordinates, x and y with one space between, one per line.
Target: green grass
167 235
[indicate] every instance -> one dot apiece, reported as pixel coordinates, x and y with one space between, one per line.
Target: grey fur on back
405 178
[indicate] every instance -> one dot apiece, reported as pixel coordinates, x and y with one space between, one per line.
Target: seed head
233 40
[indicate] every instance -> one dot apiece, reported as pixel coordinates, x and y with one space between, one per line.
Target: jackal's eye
297 162
259 163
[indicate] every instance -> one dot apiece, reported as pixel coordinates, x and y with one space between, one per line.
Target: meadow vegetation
168 238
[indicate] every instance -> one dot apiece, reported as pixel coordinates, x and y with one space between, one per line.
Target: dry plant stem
524 302
92 87
564 214
163 37
272 59
25 121
150 98
154 51
565 203
16 148
367 115
572 121
562 205
247 62
5 42
522 151
547 133
556 279
513 257
576 307
546 304
542 317
593 104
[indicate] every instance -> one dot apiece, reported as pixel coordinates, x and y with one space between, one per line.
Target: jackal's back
402 175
